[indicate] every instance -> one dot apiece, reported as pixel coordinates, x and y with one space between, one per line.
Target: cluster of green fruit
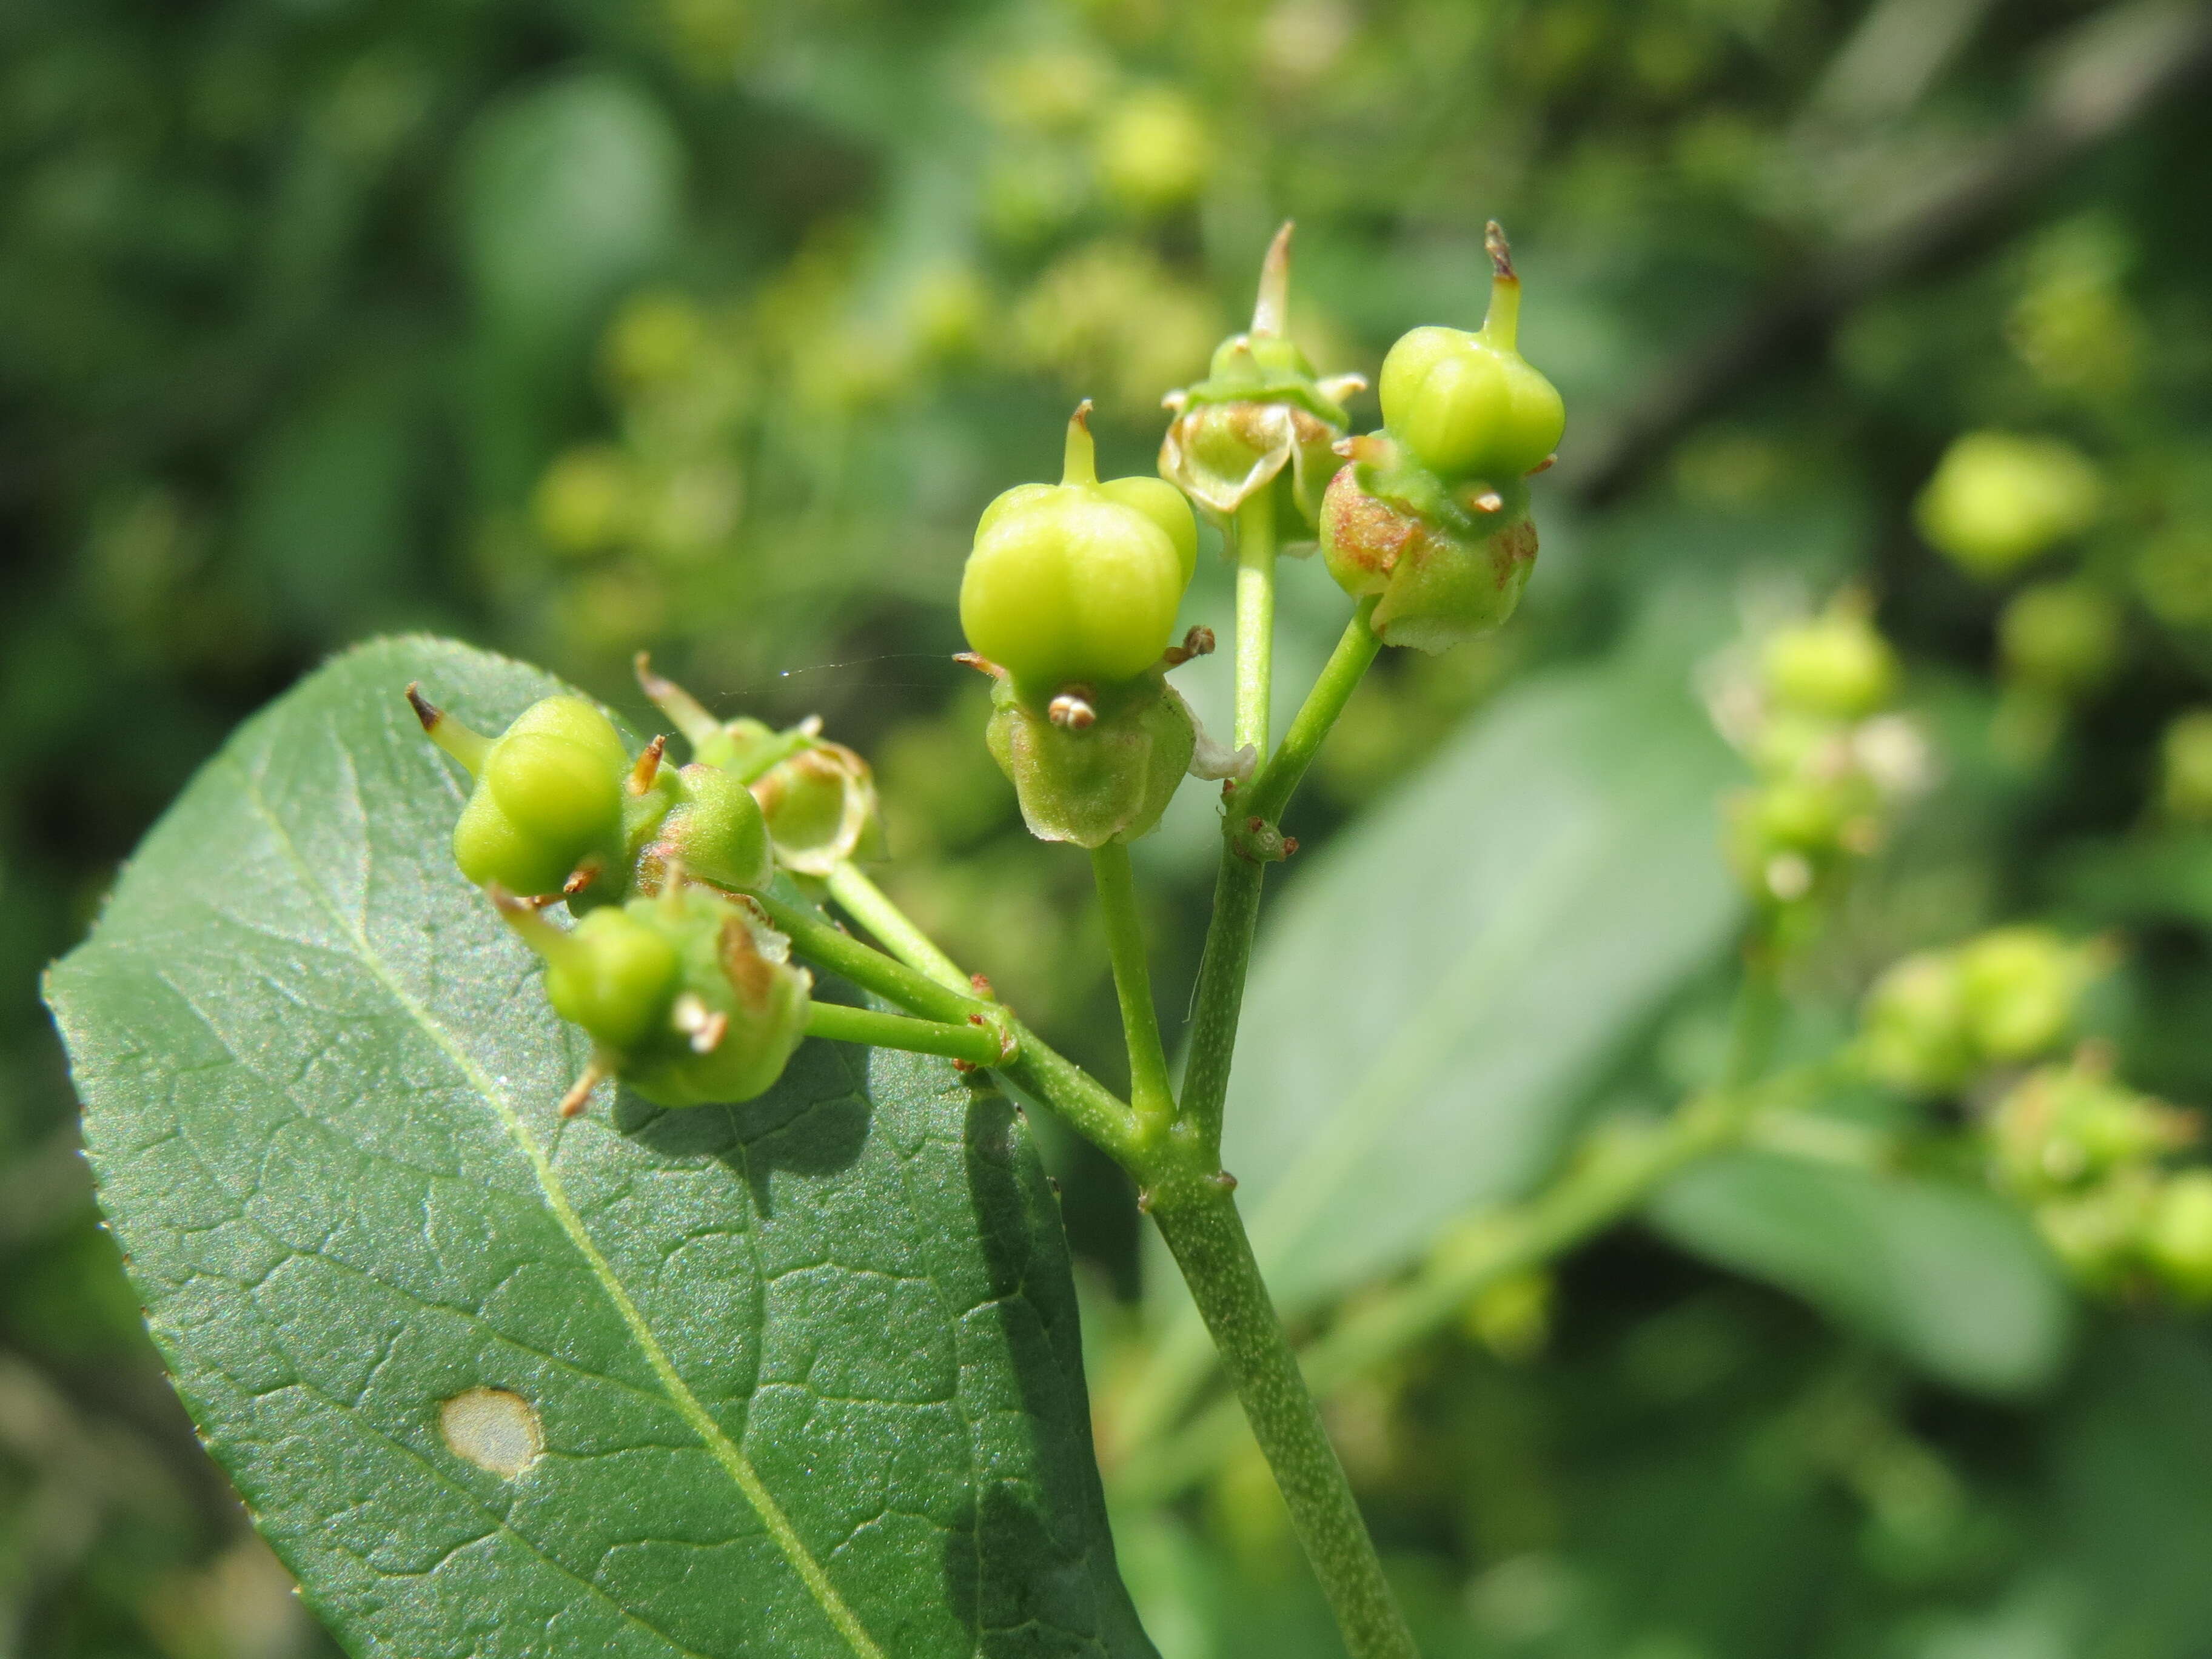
1070 596
2087 1155
686 992
1830 762
2083 1152
1938 1021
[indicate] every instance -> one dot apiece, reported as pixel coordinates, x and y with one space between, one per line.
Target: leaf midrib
725 1452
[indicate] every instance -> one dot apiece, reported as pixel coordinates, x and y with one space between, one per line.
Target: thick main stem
1255 616
1208 1243
1486 1248
1150 1095
1616 1170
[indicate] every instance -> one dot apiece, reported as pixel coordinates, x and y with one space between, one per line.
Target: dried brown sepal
649 765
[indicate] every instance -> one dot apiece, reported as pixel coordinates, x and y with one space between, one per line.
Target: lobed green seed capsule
716 829
1432 518
548 801
2060 637
1445 567
2185 768
560 808
1079 582
1468 405
816 798
2020 985
1936 1019
1913 1032
687 996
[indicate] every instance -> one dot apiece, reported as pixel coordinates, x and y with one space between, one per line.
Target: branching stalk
1090 1107
1619 1169
978 1045
1348 664
869 905
824 943
1150 1095
1229 934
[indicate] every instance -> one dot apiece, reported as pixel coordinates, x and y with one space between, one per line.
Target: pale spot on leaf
494 1430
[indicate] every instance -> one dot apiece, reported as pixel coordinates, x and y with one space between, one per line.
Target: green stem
1618 1167
1220 996
869 905
1150 1095
1219 1000
1255 616
1207 1239
1758 1010
1200 1224
821 941
1355 652
976 1044
1090 1107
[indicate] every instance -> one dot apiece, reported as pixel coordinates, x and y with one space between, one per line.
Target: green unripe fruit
816 800
1913 1032
1808 815
1443 569
1467 408
2019 985
548 801
742 1012
2185 752
1835 666
1997 500
686 996
1154 152
1468 405
2061 637
1097 771
2179 1243
2062 1128
715 828
2099 1234
1079 583
617 978
489 848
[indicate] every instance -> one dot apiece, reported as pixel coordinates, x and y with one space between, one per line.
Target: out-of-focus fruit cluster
1809 704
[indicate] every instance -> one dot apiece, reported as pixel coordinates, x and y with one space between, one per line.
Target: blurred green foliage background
708 326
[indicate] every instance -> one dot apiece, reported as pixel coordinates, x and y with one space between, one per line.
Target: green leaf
1434 998
1952 1280
801 1376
